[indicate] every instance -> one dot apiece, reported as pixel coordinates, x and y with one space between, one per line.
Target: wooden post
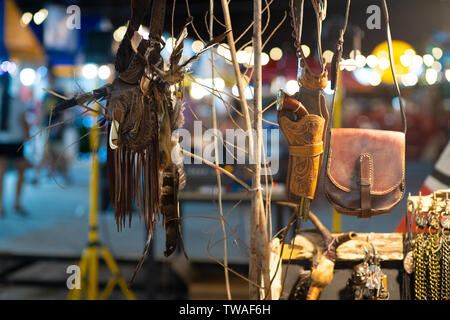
258 205
254 219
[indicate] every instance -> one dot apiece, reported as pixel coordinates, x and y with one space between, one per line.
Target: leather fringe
134 175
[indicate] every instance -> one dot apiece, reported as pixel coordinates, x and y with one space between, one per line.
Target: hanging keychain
445 223
368 280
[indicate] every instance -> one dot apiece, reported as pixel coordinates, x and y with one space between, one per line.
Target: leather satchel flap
387 153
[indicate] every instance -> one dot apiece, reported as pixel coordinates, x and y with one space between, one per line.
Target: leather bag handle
391 60
338 54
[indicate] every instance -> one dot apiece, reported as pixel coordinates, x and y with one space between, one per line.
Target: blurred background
45 193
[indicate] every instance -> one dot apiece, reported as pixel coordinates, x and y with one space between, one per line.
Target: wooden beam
388 245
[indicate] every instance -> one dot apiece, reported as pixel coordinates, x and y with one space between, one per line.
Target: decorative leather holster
304 133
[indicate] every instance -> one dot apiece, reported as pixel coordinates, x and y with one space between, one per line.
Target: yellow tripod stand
337 121
89 263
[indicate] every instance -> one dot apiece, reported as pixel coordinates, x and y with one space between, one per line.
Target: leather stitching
343 188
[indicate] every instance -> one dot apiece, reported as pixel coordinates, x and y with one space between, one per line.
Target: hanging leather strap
391 60
156 28
320 8
335 69
366 184
338 55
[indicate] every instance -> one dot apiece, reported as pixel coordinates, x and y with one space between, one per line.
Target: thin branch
211 164
219 22
270 122
251 24
270 105
275 30
192 24
216 147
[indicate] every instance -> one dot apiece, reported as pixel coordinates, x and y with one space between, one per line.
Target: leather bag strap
335 68
156 27
366 178
320 8
335 72
338 55
391 60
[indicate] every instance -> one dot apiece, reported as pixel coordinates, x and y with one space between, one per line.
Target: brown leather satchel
365 171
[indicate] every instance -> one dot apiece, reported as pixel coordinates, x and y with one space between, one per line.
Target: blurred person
53 157
14 131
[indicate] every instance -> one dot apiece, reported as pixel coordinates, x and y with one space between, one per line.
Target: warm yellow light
119 33
437 52
196 92
349 64
447 74
219 84
40 16
410 52
26 18
416 61
306 50
383 63
276 54
248 92
431 76
382 54
104 72
144 32
354 53
403 59
90 71
428 60
242 56
264 58
406 60
292 87
248 50
224 50
197 45
372 61
360 61
328 56
410 79
437 66
170 43
375 80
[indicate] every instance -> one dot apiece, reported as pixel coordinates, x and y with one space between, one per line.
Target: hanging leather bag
365 170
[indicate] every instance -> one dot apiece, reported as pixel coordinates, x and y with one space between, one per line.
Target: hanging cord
391 58
297 31
335 69
320 7
335 72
